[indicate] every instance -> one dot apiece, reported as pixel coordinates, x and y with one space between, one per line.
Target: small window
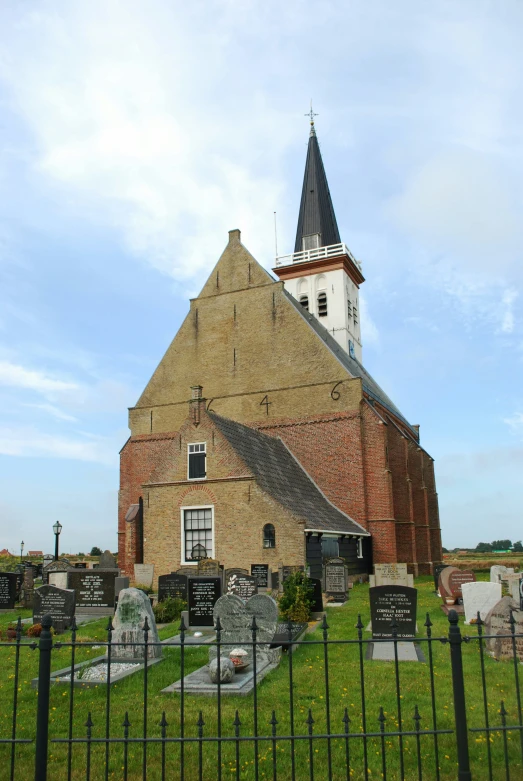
322 304
330 548
310 242
197 454
304 301
360 547
355 314
269 536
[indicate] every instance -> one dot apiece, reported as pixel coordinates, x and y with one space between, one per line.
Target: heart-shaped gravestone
236 624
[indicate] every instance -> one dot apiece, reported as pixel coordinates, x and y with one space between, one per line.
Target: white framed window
360 547
197 533
196 461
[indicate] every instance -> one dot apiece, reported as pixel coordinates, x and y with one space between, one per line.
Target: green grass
273 693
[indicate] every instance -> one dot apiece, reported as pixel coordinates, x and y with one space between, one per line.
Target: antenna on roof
275 234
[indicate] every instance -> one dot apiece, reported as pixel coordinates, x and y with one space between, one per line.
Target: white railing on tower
332 251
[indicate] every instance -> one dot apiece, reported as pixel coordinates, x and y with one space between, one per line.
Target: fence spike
110 626
273 722
512 621
74 625
126 722
359 625
146 627
163 723
428 622
254 625
237 723
416 717
324 624
200 723
89 723
182 626
346 719
382 719
310 720
218 624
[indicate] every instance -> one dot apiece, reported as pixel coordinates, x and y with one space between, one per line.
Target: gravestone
144 574
497 623
437 570
336 579
480 597
456 581
243 586
275 580
209 567
8 590
134 606
285 570
260 572
59 602
28 588
172 586
388 603
391 575
516 590
316 595
93 588
234 571
120 582
202 595
497 571
236 620
80 565
57 578
444 585
107 560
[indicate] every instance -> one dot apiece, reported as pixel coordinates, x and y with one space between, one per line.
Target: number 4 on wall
265 401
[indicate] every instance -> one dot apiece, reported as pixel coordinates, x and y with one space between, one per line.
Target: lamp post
57 528
21 550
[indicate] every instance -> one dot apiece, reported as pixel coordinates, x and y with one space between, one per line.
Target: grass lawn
308 668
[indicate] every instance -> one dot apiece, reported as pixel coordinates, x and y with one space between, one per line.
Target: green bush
169 610
297 599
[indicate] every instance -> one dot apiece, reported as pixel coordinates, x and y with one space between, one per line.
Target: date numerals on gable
265 403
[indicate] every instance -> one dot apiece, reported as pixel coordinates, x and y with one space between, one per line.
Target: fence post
458 689
44 684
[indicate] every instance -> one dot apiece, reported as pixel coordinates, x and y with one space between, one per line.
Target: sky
134 135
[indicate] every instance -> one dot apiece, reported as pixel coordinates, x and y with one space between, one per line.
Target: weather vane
311 114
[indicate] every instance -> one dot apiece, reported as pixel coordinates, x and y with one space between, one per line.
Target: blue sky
134 135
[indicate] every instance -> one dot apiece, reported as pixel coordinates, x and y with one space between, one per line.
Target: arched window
304 301
322 304
269 536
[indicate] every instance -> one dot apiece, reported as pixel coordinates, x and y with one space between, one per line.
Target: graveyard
344 696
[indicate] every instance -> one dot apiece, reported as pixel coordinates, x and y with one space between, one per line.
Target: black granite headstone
316 595
388 603
93 589
243 586
260 572
438 569
203 593
284 638
80 565
172 586
275 580
59 602
8 590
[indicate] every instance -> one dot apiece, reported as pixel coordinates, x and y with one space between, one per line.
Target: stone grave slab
281 637
209 567
95 590
243 586
391 575
497 623
144 574
336 584
202 595
173 587
199 682
497 571
393 602
479 596
58 602
260 572
107 560
58 579
384 652
236 621
134 606
8 590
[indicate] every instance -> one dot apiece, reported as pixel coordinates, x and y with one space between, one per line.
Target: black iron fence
434 718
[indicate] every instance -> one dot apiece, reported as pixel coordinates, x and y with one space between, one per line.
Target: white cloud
29 442
16 376
508 300
54 411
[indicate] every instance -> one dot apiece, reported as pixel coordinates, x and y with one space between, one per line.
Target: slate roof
279 474
352 365
316 209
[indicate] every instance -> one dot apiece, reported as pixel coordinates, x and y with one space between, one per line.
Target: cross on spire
311 114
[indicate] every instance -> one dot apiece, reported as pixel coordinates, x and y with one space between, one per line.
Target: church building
261 438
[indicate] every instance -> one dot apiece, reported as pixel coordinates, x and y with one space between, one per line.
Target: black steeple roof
316 209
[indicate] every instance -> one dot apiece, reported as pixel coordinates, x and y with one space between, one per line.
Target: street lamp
21 550
57 528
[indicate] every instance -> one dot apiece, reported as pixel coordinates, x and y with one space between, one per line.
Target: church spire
317 225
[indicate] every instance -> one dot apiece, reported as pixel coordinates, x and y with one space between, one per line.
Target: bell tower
322 273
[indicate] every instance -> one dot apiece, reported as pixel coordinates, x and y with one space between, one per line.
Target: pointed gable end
235 270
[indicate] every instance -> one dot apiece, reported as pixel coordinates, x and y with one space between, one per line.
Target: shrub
296 601
169 610
145 589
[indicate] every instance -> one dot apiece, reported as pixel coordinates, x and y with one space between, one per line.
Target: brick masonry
260 363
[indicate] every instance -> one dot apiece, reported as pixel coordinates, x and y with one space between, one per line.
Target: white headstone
479 596
391 575
58 579
497 571
515 585
144 574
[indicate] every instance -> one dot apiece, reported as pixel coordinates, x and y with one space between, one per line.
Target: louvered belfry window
304 301
197 467
322 304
